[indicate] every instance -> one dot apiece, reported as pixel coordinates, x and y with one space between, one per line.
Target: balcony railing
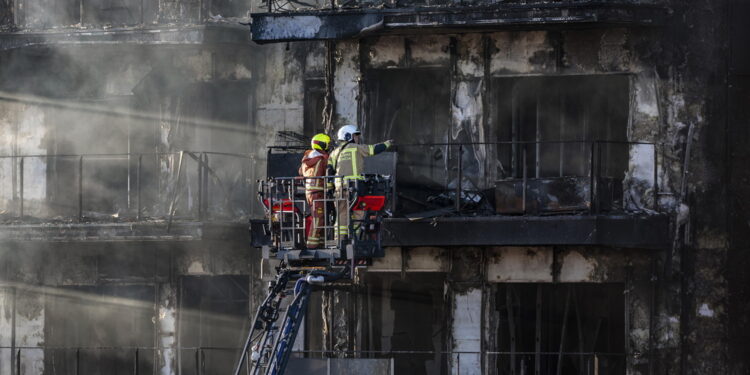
211 360
499 178
517 178
33 15
183 185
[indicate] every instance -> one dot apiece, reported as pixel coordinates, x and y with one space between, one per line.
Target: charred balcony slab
214 34
358 22
632 231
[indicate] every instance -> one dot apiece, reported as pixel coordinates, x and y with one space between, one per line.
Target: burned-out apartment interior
567 185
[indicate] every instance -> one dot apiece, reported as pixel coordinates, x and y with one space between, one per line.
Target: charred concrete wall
466 300
676 101
470 64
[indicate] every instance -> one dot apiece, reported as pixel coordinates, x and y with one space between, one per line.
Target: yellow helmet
320 142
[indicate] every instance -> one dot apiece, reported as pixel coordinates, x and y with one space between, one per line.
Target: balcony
510 193
292 20
532 193
181 195
27 23
153 35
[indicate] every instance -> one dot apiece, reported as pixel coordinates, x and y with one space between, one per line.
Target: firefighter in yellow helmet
315 164
347 161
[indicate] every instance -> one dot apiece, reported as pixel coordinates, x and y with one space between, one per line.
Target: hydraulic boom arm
271 359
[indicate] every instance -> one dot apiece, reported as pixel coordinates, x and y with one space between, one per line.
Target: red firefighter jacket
314 164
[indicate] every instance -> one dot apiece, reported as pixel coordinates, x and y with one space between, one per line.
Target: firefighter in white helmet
347 161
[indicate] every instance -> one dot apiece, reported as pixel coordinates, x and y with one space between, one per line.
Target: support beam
538 337
647 231
166 321
563 332
467 331
511 326
7 330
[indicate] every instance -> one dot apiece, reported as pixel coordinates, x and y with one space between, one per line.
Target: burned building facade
569 182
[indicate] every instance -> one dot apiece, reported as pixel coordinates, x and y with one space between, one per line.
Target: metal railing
529 177
211 360
289 202
523 177
286 206
493 362
135 15
289 6
128 186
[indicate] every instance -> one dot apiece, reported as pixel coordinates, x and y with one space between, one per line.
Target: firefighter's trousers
315 200
344 214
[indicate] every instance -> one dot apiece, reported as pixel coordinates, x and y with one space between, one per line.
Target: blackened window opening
563 143
412 106
47 14
112 12
407 314
559 329
561 118
80 334
213 318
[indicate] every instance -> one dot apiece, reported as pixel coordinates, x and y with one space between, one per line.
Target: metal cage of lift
289 219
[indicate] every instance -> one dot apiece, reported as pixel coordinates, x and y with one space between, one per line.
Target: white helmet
347 132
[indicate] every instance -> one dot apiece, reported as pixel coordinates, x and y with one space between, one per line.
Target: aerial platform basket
288 221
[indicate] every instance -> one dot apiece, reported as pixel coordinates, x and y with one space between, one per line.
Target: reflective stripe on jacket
348 160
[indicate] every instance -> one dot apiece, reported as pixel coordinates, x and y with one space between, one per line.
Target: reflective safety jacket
348 159
314 164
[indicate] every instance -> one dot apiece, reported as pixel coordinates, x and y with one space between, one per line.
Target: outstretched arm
380 147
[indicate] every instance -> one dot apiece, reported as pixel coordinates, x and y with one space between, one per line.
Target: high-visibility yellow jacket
347 160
